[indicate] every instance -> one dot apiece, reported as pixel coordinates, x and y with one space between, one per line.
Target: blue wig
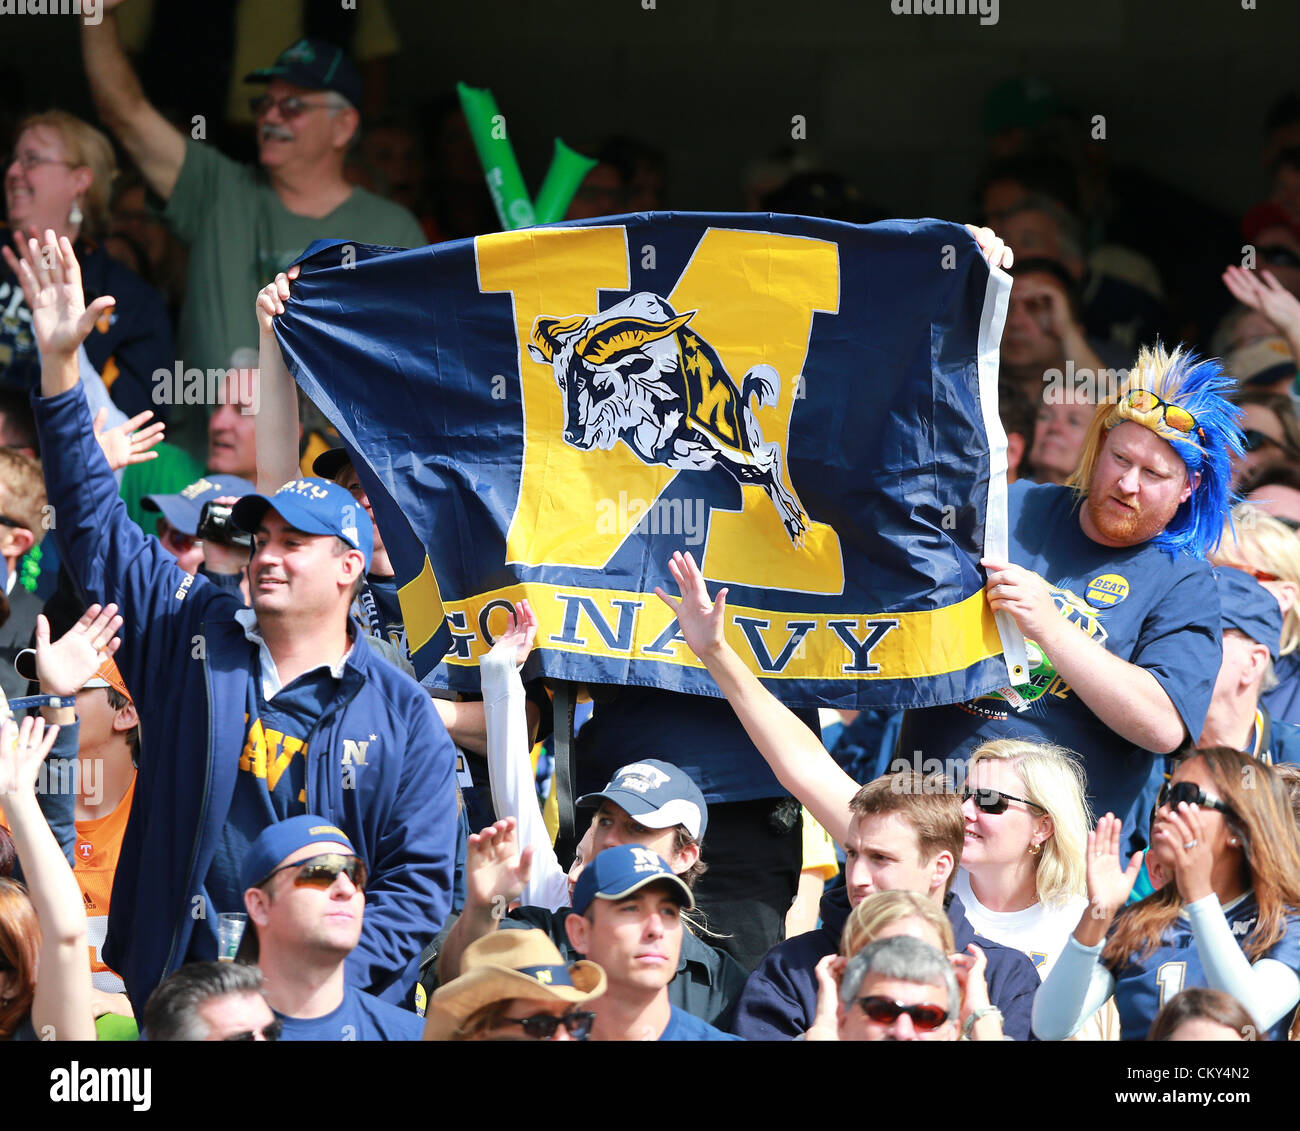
1198 387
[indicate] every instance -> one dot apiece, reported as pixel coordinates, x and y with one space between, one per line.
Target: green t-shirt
240 235
169 474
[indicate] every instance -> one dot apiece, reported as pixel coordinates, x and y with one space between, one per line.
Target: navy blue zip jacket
780 998
186 662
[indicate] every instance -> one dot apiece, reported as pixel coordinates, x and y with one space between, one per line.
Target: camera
215 525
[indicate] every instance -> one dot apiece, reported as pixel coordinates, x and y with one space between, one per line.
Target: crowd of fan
229 792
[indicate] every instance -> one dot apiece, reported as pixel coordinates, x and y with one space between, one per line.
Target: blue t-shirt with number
1158 612
1144 984
361 1017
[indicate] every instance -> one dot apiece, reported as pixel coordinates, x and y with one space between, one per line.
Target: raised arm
62 669
495 875
1078 984
61 1008
51 280
801 763
108 556
155 145
276 426
510 770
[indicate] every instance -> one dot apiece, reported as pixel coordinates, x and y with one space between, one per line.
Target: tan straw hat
509 964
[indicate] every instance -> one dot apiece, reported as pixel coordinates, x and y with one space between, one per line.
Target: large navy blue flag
807 406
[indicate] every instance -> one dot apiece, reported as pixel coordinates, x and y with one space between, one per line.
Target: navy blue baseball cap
314 64
314 506
284 839
329 463
626 868
657 794
1244 604
182 510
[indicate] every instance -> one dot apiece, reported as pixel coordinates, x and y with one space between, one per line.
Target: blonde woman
1266 549
59 178
1022 875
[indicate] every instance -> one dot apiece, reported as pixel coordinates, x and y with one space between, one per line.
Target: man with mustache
243 225
1108 581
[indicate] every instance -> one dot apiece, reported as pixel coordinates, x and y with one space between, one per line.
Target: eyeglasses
5 520
321 871
994 801
542 1026
1255 440
30 160
1275 255
290 107
1176 793
1260 575
270 1033
1179 419
884 1011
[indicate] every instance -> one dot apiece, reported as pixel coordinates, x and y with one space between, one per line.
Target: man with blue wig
1108 581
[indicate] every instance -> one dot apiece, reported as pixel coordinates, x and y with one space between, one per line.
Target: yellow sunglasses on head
1179 419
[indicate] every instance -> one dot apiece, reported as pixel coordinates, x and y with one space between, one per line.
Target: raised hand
1109 883
271 299
970 970
22 750
51 280
701 619
825 1026
123 444
495 870
1183 834
995 251
517 641
64 666
1261 291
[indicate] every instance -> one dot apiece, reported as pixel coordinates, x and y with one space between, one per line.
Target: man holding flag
1107 579
557 402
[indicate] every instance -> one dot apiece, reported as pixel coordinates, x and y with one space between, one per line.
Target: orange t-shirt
99 843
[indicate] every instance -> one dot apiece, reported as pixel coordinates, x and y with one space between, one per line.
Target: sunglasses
542 1026
169 536
290 107
270 1033
1176 793
994 801
1277 256
1255 440
885 1011
1179 419
321 871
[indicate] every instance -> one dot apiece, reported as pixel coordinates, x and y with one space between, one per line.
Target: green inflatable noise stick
568 167
514 207
487 126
